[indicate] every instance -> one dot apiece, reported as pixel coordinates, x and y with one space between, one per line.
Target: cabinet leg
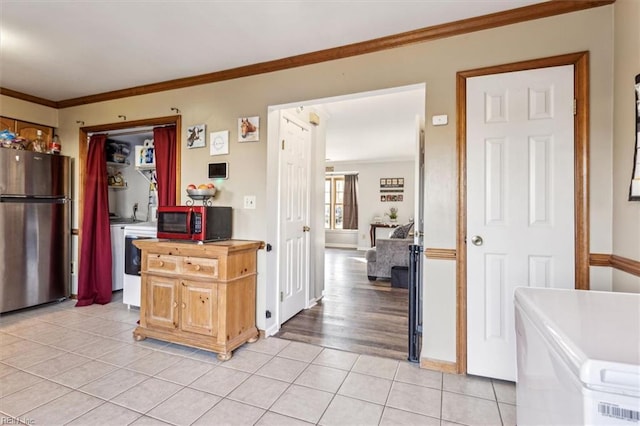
225 357
254 338
138 337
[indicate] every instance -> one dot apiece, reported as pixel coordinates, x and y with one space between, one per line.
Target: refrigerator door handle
50 199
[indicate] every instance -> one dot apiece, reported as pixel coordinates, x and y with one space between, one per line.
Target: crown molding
494 20
25 97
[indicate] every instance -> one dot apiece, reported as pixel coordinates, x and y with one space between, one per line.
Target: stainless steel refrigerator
35 228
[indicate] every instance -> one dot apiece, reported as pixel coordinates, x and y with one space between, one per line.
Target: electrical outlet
249 201
440 120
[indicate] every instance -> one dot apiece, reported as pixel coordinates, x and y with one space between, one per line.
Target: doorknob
306 229
476 240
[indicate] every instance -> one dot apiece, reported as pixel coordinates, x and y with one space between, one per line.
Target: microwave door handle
191 219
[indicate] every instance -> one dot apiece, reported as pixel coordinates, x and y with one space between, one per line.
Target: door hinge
282 144
281 296
575 106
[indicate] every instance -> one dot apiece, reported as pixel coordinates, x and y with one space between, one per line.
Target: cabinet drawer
162 263
198 266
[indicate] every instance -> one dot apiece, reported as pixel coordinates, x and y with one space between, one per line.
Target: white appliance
132 260
117 255
578 357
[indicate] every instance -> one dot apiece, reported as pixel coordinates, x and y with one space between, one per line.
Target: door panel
162 302
295 147
199 307
520 203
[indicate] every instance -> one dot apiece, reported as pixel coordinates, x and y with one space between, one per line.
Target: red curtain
164 140
95 280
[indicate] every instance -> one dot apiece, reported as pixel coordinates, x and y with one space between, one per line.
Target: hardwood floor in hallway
355 314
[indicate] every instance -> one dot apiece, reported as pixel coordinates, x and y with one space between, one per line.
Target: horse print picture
196 136
248 129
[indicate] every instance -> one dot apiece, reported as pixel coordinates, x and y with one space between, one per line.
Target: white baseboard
272 330
338 245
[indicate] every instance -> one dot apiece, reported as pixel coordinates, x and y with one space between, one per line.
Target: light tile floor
61 365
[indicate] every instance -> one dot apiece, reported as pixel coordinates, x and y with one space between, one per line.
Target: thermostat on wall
218 170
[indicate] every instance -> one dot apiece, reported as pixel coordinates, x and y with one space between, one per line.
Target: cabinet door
8 124
199 307
29 130
162 302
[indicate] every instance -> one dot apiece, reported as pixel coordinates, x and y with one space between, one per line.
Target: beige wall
626 214
27 111
434 63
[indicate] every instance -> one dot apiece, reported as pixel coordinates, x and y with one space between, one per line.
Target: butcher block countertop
192 248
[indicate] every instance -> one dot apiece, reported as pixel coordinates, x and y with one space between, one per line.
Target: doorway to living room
372 135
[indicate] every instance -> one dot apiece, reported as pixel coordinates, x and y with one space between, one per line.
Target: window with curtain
341 201
333 202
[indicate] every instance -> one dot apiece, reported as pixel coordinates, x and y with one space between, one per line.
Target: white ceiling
64 49
374 126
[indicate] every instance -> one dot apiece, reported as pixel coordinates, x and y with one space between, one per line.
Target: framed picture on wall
219 143
249 129
196 136
634 188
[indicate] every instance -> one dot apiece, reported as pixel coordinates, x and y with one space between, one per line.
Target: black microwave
194 223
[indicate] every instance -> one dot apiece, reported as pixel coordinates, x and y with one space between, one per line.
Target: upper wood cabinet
7 124
25 129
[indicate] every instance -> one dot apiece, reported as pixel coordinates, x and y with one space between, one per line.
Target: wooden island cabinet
199 295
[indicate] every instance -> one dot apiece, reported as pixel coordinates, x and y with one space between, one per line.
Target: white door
520 203
295 148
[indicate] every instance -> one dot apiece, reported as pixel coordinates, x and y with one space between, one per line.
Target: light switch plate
249 201
440 120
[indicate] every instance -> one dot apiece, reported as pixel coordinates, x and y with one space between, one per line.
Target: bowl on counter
209 192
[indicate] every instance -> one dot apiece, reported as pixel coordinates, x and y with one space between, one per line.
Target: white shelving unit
145 163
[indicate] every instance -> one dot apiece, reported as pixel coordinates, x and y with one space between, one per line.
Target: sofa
388 252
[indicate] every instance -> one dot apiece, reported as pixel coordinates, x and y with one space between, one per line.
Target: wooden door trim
83 145
620 263
440 253
580 62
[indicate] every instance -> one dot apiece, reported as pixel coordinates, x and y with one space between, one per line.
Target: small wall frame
634 187
196 136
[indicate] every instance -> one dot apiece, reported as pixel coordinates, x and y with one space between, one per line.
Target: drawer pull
175 304
197 268
184 305
161 263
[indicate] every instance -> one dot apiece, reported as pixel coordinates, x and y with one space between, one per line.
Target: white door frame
268 295
580 61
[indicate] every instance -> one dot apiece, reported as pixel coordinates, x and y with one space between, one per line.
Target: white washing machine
578 357
132 260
